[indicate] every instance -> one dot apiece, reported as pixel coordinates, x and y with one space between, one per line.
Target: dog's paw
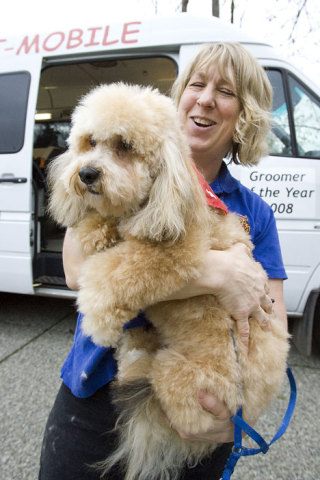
103 322
106 237
100 239
97 234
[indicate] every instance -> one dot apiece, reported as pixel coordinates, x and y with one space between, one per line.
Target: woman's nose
206 98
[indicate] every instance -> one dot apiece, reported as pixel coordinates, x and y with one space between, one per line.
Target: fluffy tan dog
128 187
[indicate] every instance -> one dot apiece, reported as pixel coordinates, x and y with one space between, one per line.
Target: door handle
13 180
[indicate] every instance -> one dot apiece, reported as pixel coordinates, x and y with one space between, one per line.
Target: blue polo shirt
88 367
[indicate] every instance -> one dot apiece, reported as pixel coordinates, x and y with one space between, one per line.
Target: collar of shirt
225 182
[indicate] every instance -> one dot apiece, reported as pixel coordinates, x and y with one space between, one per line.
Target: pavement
35 335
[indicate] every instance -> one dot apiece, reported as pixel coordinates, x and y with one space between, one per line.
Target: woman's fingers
225 436
266 303
263 318
222 431
243 328
213 405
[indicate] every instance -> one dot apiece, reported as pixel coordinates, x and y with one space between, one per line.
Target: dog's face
127 158
115 147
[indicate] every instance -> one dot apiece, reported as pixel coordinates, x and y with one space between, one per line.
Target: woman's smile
203 122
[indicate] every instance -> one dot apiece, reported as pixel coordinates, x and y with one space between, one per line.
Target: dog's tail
148 449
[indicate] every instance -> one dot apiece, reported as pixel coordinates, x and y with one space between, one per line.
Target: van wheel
305 331
316 328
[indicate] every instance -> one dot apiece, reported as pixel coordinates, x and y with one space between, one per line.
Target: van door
63 82
19 79
289 180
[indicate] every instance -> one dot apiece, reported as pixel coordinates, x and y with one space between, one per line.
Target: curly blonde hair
253 89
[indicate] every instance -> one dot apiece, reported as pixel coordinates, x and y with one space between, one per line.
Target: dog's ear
174 197
66 205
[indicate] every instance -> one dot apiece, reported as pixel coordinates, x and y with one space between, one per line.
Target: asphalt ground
35 335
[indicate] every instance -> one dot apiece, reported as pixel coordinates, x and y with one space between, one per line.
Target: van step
46 280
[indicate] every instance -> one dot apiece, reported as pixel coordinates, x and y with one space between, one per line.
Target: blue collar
241 426
225 182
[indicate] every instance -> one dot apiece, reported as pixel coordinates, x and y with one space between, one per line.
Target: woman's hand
223 431
243 290
240 284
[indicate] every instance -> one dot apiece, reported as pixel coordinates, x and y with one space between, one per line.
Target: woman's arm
276 293
73 257
230 274
239 283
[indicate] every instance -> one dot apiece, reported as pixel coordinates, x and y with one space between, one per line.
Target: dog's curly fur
145 224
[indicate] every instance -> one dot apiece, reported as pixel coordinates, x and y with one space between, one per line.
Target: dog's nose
88 175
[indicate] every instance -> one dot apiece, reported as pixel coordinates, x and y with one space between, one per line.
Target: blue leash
240 425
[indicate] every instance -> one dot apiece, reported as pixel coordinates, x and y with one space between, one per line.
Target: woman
223 99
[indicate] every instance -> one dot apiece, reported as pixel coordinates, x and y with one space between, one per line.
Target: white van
42 76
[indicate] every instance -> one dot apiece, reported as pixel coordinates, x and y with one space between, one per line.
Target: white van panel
300 264
10 265
16 198
291 187
15 234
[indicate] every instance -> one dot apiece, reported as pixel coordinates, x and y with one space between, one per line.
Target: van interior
61 87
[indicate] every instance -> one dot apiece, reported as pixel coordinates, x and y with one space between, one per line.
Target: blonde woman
223 98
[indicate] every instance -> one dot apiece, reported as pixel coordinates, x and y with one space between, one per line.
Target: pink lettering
74 38
54 45
105 41
26 46
92 41
126 32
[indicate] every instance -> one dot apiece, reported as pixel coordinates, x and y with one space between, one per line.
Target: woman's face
208 111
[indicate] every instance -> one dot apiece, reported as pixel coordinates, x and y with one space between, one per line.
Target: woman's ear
172 198
66 205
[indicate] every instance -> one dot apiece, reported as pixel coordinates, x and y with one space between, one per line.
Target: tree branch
297 19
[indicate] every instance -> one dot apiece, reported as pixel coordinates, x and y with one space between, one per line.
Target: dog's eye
92 142
123 146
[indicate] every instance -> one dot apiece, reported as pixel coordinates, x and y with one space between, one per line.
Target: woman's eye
227 92
196 84
92 142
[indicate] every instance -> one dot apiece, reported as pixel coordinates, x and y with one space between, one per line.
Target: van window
306 116
295 118
14 89
279 139
61 87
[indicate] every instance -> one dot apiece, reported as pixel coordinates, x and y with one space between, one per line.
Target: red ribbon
211 197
